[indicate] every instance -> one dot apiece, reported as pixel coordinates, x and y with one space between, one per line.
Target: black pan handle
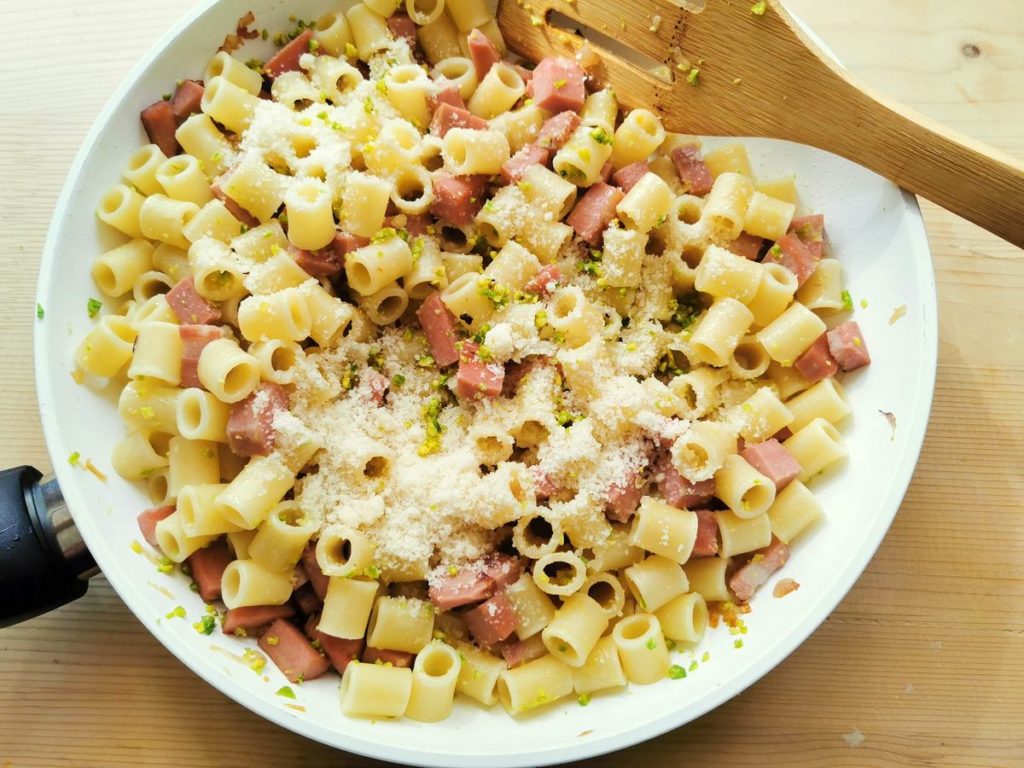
43 561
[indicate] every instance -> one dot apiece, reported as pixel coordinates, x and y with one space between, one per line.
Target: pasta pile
444 373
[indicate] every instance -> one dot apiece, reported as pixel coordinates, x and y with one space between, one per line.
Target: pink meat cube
817 362
194 339
594 212
517 165
287 59
345 242
627 177
322 263
693 171
773 460
502 569
557 130
402 26
483 53
438 325
251 422
477 379
491 621
558 85
747 246
811 231
758 569
148 519
189 306
252 618
706 544
465 587
677 490
161 125
545 282
623 497
791 253
340 651
207 565
187 99
447 117
234 208
846 343
457 199
448 95
292 653
316 577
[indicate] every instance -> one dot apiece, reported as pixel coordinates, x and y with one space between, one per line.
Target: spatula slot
603 39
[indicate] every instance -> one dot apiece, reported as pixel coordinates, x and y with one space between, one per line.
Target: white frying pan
876 231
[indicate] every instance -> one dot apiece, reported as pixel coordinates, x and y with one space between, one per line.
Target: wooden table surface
922 664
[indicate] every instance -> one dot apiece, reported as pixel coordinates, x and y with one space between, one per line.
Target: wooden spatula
760 75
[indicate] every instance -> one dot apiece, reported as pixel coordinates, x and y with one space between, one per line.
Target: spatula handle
964 176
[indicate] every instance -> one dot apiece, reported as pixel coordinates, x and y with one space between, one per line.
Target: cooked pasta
457 382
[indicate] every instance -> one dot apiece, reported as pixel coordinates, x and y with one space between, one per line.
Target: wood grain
761 75
924 658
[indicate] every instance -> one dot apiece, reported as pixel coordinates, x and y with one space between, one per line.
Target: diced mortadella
322 263
606 172
476 378
234 208
252 618
545 282
483 53
250 427
388 656
447 117
790 252
447 95
677 490
438 325
758 569
817 363
194 339
402 26
692 170
594 212
207 565
187 99
502 569
543 486
161 125
706 544
457 199
317 579
811 231
287 59
465 587
344 242
521 651
305 599
515 373
492 621
627 177
558 85
773 460
746 245
148 519
340 651
846 343
623 497
556 130
189 306
292 653
517 165
417 224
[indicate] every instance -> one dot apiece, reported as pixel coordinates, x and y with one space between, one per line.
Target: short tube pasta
642 648
373 690
534 684
575 630
434 675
